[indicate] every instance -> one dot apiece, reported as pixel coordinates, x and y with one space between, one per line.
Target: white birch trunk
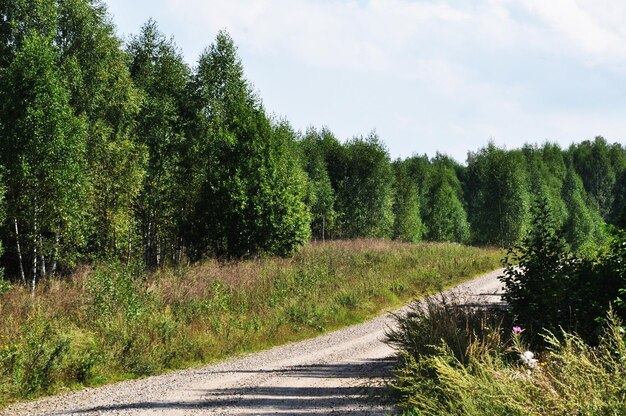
19 252
34 281
35 243
42 258
53 267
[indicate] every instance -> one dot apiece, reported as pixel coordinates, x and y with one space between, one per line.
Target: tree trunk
53 267
19 252
128 254
35 243
34 281
158 252
42 258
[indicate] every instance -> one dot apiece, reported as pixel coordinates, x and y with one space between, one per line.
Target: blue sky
427 76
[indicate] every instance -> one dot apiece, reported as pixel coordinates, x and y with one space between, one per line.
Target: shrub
448 319
5 286
540 275
548 287
32 359
497 374
610 270
116 289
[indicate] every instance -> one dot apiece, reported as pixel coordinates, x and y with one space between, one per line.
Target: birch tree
498 196
365 193
161 76
42 145
407 224
251 191
445 218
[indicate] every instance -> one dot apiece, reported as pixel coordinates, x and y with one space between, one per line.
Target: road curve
341 372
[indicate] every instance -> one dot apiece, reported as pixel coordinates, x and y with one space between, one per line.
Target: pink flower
517 330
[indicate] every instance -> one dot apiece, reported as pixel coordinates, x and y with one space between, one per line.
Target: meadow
115 321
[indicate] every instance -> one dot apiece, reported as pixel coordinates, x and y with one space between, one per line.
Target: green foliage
420 170
82 72
407 224
21 19
541 276
32 359
161 75
251 195
547 172
4 286
583 228
365 192
609 271
569 377
618 215
42 148
321 195
445 216
287 217
116 176
548 287
592 161
116 289
102 91
498 196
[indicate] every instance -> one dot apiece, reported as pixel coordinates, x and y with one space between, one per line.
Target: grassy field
115 322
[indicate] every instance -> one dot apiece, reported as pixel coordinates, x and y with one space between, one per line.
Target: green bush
497 374
5 286
548 287
611 269
83 356
32 360
117 289
444 318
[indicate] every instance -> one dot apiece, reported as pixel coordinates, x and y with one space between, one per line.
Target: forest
113 150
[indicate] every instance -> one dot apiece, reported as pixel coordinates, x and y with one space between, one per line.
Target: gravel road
342 372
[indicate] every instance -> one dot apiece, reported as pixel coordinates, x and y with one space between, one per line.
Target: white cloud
356 36
593 29
427 75
377 35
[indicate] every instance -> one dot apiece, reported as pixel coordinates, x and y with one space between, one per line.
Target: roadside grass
114 322
457 360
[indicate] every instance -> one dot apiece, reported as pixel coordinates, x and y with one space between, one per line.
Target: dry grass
112 322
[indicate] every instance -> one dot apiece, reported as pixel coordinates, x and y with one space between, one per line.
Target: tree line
121 150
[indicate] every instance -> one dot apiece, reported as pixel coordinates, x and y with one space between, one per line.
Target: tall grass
114 322
470 362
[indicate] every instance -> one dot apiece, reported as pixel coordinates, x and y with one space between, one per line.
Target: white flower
528 358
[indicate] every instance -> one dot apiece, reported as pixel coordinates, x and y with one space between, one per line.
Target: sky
425 76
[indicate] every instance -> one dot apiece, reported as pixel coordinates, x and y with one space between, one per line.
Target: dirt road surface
342 372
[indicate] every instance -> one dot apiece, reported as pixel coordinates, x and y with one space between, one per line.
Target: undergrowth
114 322
458 360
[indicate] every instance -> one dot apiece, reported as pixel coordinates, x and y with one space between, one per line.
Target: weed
33 360
114 322
468 366
5 286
